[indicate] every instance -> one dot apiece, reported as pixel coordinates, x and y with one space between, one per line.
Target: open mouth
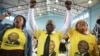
82 50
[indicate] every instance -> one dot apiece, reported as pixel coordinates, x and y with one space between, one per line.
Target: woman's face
19 22
82 26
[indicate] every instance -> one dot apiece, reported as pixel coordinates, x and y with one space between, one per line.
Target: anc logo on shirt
12 39
83 48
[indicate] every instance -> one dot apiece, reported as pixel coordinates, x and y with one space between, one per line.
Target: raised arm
4 15
31 18
68 18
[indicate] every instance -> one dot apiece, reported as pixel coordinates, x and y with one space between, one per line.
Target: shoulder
93 37
39 30
27 33
71 31
57 32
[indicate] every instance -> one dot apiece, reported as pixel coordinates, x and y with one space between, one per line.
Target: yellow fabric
75 37
18 39
41 35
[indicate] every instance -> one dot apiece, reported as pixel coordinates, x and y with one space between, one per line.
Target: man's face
49 27
82 26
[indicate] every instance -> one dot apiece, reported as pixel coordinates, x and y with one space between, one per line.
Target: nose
83 27
17 21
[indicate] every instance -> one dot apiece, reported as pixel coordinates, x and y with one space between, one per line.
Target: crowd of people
15 40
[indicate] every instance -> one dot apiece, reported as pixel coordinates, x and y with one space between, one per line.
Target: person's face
82 27
19 22
49 27
51 47
83 47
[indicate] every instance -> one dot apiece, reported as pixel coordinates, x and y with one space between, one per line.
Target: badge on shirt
83 48
12 39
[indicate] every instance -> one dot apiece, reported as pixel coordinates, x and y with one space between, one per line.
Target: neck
49 32
84 32
18 27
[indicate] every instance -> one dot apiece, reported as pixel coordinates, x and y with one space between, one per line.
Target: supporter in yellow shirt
81 42
41 35
16 41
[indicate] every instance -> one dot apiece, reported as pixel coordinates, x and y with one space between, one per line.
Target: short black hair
23 26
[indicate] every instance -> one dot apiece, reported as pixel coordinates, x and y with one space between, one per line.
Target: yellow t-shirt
75 37
13 39
41 35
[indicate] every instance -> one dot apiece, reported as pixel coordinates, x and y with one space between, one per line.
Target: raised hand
4 15
32 3
7 14
68 4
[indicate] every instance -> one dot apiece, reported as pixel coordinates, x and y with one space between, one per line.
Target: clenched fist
68 4
7 14
32 3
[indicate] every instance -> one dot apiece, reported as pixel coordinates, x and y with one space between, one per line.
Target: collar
52 32
17 29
